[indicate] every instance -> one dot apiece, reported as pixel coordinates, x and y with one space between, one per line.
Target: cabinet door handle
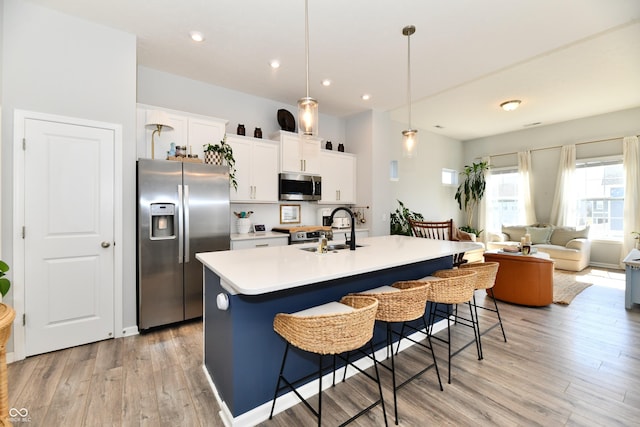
301 165
264 245
305 165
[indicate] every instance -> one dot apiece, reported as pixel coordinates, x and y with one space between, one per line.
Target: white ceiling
564 59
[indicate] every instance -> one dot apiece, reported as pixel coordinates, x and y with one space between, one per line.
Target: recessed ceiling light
510 105
326 82
196 36
366 97
274 63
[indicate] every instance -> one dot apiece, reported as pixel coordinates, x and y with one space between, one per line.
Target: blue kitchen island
245 289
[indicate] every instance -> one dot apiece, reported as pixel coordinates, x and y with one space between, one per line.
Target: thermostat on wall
259 228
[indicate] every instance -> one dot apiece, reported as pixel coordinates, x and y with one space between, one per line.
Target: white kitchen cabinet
260 242
298 153
338 171
256 169
187 130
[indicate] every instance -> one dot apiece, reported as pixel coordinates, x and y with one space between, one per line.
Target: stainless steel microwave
293 186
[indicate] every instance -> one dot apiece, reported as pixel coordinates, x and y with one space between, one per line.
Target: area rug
565 287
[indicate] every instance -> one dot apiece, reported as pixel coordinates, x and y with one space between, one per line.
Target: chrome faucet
352 243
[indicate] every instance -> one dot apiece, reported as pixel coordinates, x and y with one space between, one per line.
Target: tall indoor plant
7 314
471 191
225 153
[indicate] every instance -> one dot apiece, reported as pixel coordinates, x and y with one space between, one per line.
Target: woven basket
403 306
7 314
487 272
458 287
330 333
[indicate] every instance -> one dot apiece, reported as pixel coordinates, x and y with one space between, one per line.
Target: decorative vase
243 225
212 158
329 145
341 147
240 130
257 133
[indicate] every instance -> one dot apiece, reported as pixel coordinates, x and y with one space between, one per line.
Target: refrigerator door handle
186 224
180 226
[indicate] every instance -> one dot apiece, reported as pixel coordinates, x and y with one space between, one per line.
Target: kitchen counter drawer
258 242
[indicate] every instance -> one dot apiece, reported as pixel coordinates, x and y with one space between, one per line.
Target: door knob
105 244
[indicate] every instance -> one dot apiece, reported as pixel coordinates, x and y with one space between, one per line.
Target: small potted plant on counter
216 154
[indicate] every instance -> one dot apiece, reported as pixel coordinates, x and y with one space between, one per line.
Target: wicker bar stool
457 289
329 329
400 303
487 272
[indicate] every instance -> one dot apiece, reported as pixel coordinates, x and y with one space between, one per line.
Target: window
600 196
502 199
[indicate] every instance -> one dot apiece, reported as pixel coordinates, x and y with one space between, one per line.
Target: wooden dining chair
439 230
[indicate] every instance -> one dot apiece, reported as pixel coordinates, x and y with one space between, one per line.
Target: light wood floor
562 365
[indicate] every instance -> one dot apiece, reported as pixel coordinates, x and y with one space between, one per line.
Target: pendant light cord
408 76
306 39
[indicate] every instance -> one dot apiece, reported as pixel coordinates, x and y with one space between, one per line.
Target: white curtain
483 211
631 211
563 210
525 201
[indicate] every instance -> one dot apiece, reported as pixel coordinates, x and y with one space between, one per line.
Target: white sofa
569 247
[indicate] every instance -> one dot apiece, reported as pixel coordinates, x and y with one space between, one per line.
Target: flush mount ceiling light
307 106
409 136
196 36
510 105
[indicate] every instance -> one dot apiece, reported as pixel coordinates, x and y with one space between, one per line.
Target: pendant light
409 136
307 106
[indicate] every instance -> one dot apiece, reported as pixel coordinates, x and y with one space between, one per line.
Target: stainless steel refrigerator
183 209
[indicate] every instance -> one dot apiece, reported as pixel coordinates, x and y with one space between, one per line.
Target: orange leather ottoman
524 280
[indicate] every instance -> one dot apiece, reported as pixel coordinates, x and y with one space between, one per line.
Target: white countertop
633 258
264 270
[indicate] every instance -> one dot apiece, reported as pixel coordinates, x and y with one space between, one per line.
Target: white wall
419 186
57 64
166 90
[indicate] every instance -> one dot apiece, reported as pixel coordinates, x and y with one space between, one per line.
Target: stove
305 233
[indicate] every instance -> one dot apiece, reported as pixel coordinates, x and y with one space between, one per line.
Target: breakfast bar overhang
245 289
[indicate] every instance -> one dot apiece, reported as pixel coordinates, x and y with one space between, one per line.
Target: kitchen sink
330 248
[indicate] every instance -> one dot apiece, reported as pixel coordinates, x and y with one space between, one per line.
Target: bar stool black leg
475 322
393 370
375 365
319 390
433 354
495 304
275 394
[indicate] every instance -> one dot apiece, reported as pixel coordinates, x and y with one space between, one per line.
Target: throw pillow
539 235
515 232
562 235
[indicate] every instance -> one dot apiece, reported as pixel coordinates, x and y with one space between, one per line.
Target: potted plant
7 314
223 152
470 192
399 220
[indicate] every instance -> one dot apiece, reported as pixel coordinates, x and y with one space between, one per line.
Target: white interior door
69 235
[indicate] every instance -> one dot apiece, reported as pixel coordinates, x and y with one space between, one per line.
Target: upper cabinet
298 154
338 171
256 169
186 130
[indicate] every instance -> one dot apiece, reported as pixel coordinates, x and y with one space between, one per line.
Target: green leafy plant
227 155
5 284
399 220
470 192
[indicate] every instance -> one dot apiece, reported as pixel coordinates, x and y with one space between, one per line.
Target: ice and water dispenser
162 221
